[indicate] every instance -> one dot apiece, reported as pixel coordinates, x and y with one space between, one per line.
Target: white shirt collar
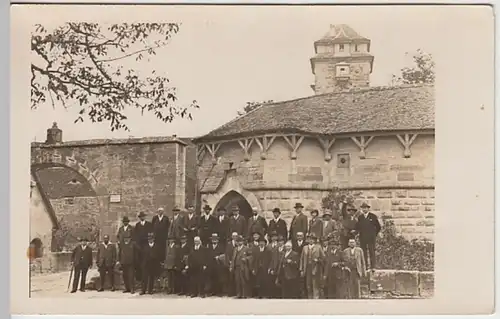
277 219
143 222
196 247
84 246
207 216
151 244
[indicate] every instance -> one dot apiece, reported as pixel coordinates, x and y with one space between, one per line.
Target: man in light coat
354 261
311 267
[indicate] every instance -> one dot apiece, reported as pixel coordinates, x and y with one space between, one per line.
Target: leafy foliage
252 106
393 250
66 237
422 71
83 64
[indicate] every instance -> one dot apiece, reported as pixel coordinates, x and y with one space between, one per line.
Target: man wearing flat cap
208 225
256 223
161 224
277 224
368 227
311 266
299 222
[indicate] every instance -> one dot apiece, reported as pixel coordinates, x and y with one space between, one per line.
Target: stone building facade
86 187
377 142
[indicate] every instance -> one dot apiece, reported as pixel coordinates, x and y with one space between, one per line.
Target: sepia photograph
222 158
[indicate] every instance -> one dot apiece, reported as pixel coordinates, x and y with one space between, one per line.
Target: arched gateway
234 198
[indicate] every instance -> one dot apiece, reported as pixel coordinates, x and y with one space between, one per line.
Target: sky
223 61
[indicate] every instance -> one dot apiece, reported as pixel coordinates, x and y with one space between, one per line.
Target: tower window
356 48
341 47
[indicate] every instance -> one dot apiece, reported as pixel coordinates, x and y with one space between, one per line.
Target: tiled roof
341 32
60 182
409 107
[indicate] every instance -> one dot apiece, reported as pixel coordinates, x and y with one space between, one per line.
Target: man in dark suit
125 231
315 224
299 243
150 263
368 227
176 228
141 231
223 223
348 225
240 268
191 225
299 222
288 273
334 273
208 225
183 278
106 261
237 223
196 268
172 265
261 261
276 255
277 224
161 224
126 258
217 275
81 261
256 224
230 288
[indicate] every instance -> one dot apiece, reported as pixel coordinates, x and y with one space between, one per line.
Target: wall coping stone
104 142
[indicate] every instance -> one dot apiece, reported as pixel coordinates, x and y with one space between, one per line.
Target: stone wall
401 187
40 222
140 174
191 171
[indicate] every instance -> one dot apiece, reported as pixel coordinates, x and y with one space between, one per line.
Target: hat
151 236
312 236
298 205
327 213
84 239
207 207
171 237
365 205
262 239
273 234
239 239
161 209
256 232
324 239
351 208
141 214
125 219
315 211
214 236
176 209
276 210
235 207
183 237
281 238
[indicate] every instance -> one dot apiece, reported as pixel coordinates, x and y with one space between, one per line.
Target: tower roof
341 33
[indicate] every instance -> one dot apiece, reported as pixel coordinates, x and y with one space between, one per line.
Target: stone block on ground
426 284
382 280
406 283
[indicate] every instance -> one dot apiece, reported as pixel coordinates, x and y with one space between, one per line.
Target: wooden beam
246 144
294 142
264 143
362 143
407 140
326 142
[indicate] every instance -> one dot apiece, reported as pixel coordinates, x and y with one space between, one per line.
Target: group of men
221 254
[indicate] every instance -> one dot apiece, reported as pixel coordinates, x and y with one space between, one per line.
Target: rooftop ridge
113 141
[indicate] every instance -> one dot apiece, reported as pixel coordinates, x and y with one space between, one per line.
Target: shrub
66 237
393 251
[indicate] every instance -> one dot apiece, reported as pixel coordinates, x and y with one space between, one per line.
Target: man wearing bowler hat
240 268
237 223
125 231
208 225
299 222
216 274
311 266
368 227
150 262
81 261
256 223
141 231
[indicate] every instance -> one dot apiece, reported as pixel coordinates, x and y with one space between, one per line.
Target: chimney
54 135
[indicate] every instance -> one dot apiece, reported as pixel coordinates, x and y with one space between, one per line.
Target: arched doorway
234 198
36 248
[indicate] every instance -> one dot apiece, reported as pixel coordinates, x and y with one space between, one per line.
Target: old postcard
245 159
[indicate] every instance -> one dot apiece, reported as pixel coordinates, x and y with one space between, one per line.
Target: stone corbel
212 148
200 153
264 143
407 140
245 145
294 141
362 143
326 143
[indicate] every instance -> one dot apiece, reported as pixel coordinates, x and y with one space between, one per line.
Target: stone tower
54 135
342 60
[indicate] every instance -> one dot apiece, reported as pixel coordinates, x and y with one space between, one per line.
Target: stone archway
63 232
233 198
